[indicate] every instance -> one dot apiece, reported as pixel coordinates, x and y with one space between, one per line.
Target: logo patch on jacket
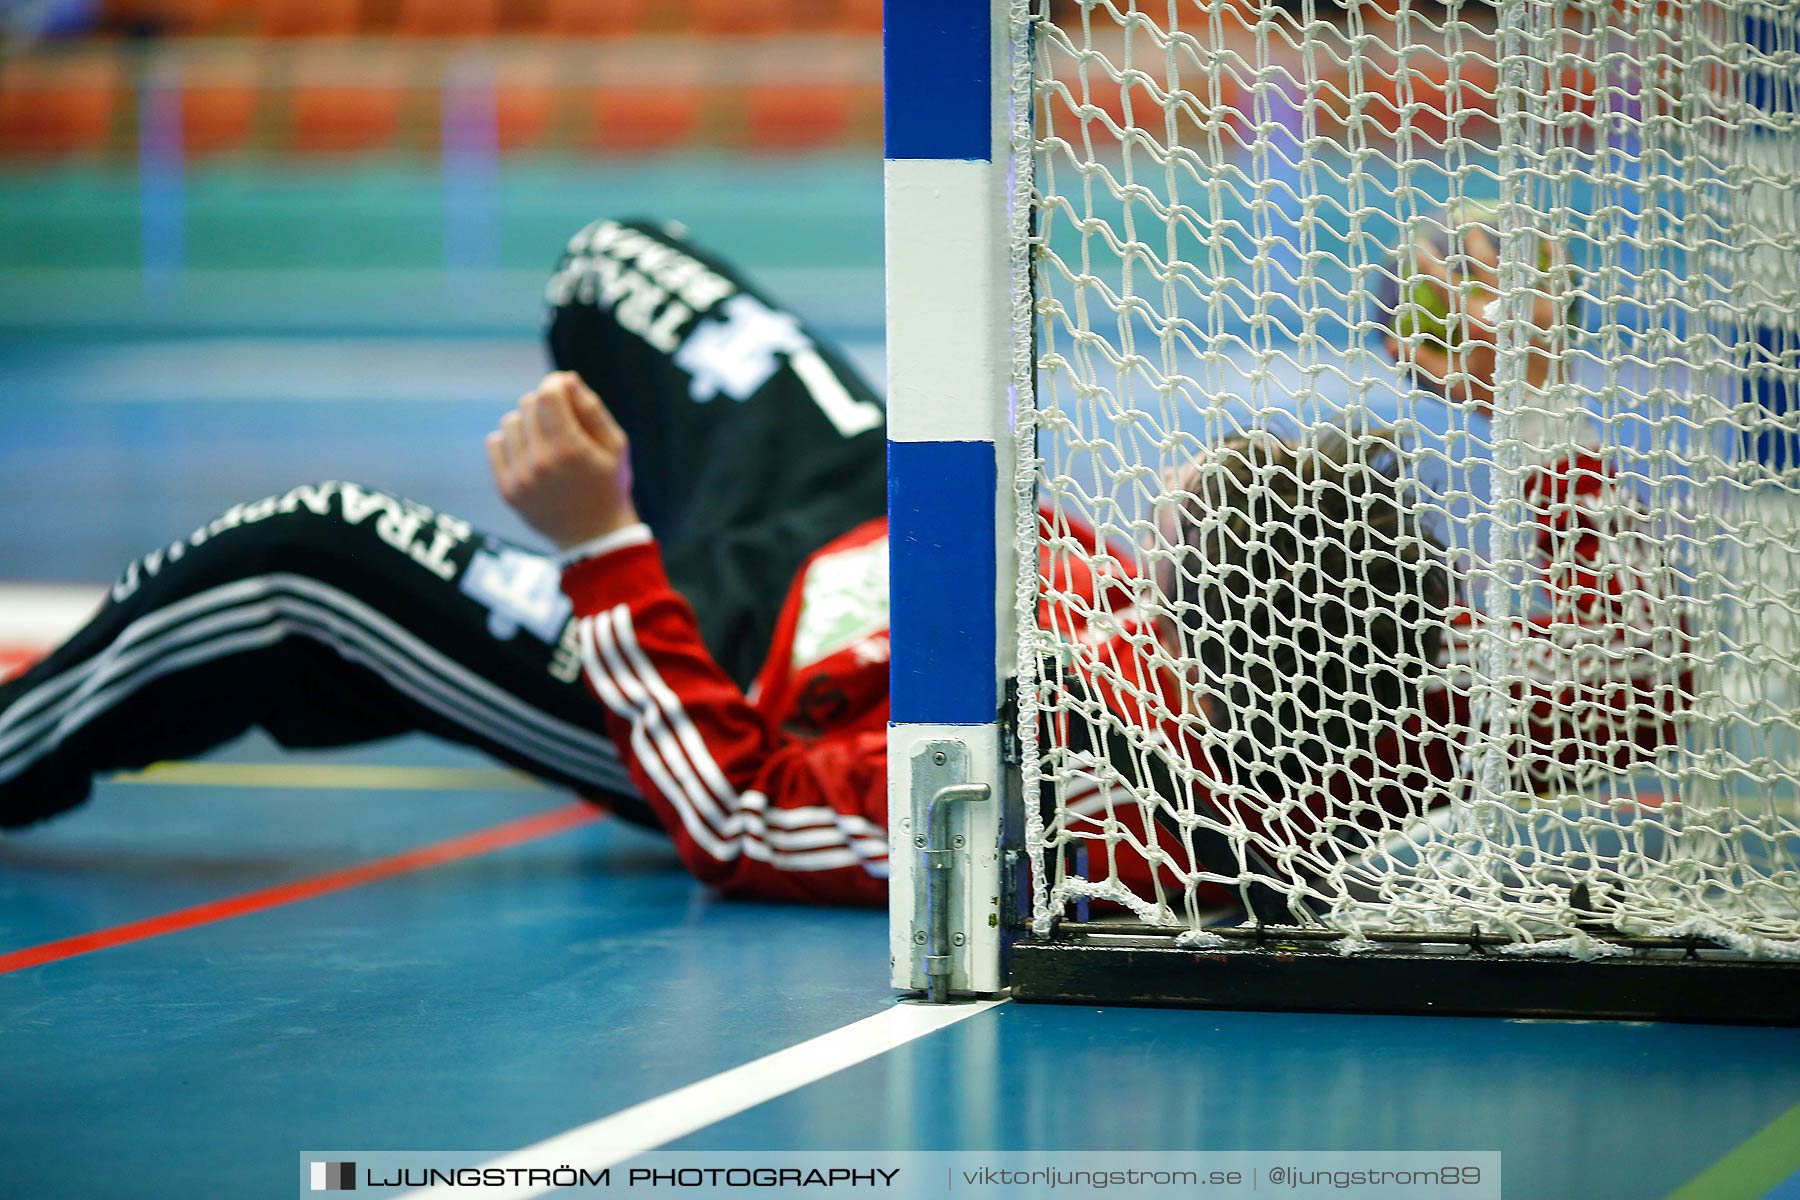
843 601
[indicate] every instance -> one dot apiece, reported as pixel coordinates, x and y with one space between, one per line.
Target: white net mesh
1417 399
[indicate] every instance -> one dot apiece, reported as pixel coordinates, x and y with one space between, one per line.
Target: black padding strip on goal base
1457 983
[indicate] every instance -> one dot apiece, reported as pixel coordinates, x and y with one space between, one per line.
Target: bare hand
562 462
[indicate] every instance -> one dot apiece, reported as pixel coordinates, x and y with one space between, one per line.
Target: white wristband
618 539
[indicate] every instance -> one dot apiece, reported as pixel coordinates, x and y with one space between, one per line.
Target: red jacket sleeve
1606 658
751 809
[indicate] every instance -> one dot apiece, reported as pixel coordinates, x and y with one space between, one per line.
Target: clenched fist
561 461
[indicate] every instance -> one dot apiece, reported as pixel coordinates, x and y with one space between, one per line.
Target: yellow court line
1770 1157
347 776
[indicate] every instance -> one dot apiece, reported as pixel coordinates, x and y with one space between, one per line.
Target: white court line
629 1132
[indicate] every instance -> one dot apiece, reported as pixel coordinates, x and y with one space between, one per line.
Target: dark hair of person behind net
1309 598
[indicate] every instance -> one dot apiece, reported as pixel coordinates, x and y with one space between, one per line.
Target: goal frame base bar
1452 982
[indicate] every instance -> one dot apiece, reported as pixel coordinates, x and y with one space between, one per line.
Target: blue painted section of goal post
939 84
941 103
941 547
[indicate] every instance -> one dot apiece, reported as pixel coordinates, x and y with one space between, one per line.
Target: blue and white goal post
954 250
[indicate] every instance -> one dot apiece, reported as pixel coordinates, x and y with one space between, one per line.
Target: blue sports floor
402 947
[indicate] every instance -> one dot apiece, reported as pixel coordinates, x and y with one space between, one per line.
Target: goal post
949 172
1345 524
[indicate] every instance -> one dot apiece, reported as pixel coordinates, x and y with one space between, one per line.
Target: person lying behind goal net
1295 645
708 653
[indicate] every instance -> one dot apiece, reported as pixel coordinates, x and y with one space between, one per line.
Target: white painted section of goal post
611 1140
980 916
948 298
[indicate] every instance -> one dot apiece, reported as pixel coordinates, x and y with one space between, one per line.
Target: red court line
499 837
